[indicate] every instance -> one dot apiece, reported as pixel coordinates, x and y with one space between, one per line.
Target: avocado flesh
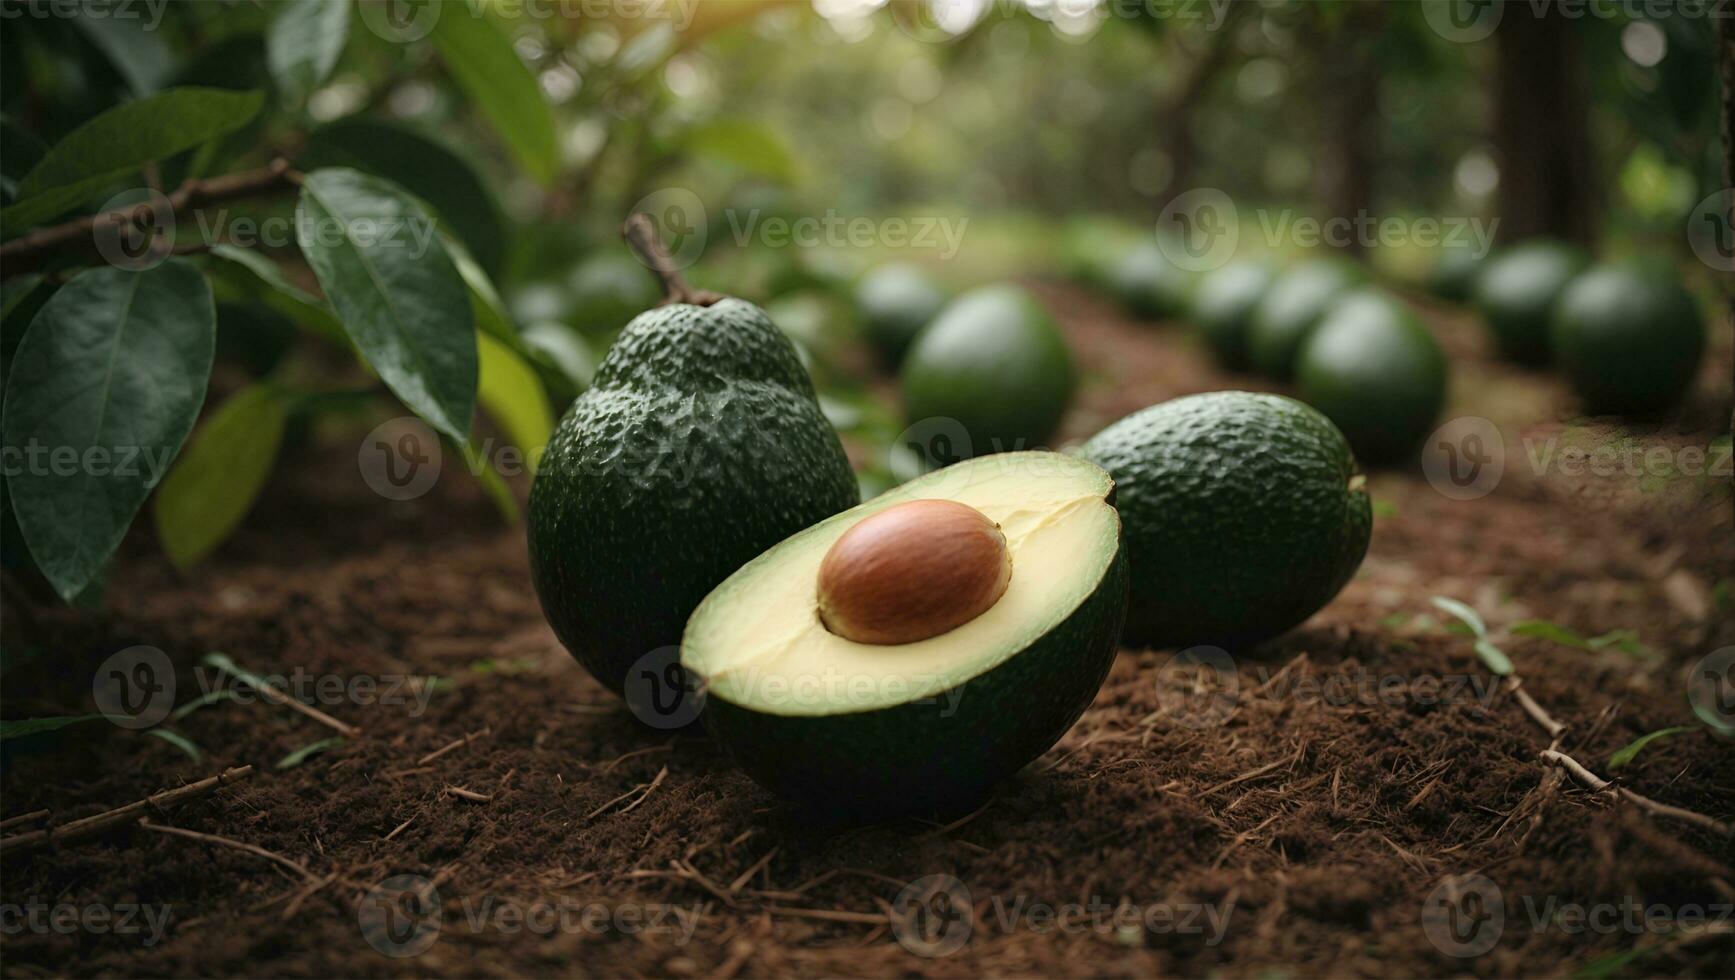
699 445
930 725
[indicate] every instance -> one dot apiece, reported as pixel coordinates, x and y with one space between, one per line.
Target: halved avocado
928 726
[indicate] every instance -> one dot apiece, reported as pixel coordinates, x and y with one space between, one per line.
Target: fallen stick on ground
291 864
119 816
1597 784
30 817
275 696
454 745
1554 728
829 915
468 794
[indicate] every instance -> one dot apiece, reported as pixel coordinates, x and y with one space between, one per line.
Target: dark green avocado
1292 307
1223 309
1516 292
1629 337
699 444
926 727
1244 515
1147 284
896 301
1376 372
994 362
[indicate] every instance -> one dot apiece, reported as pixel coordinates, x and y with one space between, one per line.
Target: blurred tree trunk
1542 129
1175 120
1348 85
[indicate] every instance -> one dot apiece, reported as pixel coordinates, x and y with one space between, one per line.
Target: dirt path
1304 825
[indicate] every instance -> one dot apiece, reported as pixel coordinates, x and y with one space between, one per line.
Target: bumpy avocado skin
1376 372
1241 519
1290 310
1516 291
941 755
1629 337
699 445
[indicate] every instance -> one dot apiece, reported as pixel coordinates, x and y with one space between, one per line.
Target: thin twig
455 745
469 794
290 863
1554 728
275 696
744 877
640 232
1597 784
662 774
119 816
829 915
644 788
23 818
400 828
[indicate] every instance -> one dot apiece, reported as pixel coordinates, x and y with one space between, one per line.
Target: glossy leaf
512 394
303 45
423 166
481 58
215 482
1469 617
395 290
116 364
119 142
283 296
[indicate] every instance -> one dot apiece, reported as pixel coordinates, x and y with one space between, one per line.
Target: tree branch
27 253
641 233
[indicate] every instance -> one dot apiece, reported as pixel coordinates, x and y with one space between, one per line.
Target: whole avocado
994 362
1147 284
896 301
1516 292
1376 372
1243 514
1628 337
1223 309
699 444
1291 308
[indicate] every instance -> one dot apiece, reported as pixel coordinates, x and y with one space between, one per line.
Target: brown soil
1315 820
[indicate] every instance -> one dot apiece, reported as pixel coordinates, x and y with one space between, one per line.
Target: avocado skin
941 755
1147 284
1223 309
896 301
1516 292
994 362
1376 372
1291 308
1240 520
699 444
1629 338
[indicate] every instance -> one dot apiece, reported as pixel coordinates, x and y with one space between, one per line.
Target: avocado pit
911 572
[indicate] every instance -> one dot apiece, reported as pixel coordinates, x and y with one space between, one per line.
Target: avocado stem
640 232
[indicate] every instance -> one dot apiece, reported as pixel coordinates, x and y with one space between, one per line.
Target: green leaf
512 394
423 166
1494 658
1464 614
202 701
306 752
1626 641
116 364
395 289
119 142
1625 755
214 483
284 296
227 665
751 146
481 58
1542 629
485 302
303 45
179 741
139 54
19 151
24 727
493 483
